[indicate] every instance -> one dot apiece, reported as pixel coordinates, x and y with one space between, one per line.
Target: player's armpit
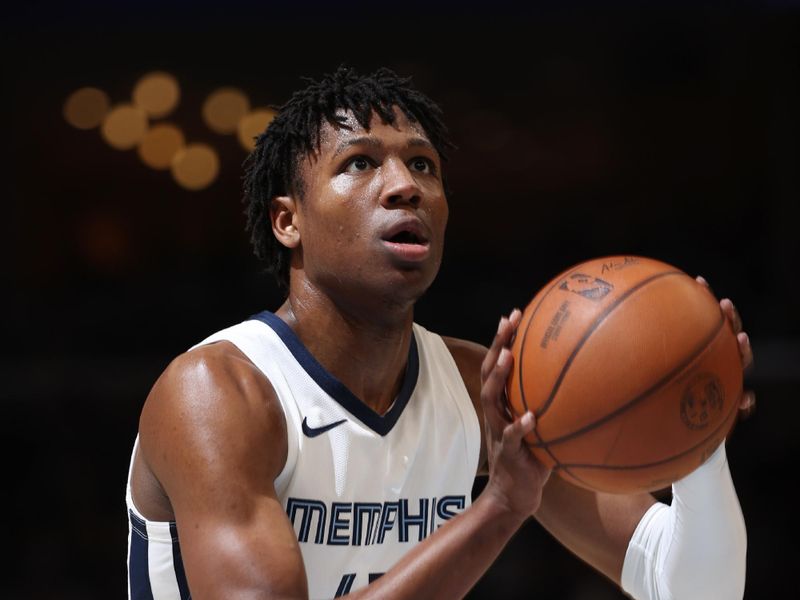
213 435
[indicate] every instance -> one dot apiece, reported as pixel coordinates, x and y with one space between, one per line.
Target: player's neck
366 350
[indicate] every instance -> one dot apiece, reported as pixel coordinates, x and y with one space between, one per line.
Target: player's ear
283 214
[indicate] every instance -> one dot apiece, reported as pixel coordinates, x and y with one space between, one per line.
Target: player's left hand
747 404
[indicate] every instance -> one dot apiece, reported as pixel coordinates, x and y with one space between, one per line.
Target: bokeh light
86 108
224 108
124 127
157 93
195 167
160 145
252 125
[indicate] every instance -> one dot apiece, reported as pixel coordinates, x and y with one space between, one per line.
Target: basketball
632 370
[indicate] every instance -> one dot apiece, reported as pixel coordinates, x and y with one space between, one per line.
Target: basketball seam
567 466
520 371
702 347
518 366
598 321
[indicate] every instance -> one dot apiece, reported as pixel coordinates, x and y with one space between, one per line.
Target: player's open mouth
407 241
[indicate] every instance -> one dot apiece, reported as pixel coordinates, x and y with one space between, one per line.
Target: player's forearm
450 561
595 526
695 548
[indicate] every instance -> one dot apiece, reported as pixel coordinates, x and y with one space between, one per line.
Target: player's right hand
516 478
747 403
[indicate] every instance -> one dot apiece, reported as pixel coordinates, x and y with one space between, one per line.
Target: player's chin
411 277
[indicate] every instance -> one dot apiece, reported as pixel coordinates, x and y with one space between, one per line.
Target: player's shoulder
211 416
215 366
468 357
465 352
208 379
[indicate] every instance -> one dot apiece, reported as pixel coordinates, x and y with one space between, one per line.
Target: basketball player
329 448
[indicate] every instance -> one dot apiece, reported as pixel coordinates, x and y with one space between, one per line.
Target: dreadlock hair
273 168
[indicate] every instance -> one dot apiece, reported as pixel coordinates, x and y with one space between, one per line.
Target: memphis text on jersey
367 523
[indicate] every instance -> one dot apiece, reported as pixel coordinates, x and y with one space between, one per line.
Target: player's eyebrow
357 141
374 143
414 142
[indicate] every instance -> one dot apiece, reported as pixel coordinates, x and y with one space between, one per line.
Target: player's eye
357 164
422 165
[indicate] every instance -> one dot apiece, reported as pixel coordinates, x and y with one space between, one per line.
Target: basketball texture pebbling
632 370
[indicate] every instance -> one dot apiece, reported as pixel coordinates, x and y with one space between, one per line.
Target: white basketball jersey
361 489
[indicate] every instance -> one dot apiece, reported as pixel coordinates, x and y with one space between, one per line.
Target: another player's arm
213 434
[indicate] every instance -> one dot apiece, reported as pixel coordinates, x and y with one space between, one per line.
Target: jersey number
347 582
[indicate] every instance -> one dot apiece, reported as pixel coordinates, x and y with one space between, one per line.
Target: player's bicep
596 527
257 557
214 436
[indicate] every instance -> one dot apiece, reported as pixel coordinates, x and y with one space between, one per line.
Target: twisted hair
273 168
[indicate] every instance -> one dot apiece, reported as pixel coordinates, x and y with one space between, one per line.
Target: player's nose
399 185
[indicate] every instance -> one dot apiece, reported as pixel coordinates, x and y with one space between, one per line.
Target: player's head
273 169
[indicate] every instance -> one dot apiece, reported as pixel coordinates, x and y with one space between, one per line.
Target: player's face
373 213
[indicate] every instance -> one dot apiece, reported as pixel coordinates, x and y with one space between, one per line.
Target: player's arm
595 527
691 549
450 561
213 434
661 551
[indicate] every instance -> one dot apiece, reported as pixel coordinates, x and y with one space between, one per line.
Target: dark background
670 132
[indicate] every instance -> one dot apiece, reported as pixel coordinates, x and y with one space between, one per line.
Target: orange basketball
632 371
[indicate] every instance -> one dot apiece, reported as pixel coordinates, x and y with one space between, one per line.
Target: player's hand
747 404
516 478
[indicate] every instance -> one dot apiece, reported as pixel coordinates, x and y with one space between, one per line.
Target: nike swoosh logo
315 431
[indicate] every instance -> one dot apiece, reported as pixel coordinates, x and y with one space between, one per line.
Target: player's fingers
702 280
493 389
490 360
516 431
515 318
729 310
745 349
747 405
505 333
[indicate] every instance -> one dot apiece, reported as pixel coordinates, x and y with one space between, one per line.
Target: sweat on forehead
348 127
346 120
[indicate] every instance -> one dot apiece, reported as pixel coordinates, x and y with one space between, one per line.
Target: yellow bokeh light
86 108
224 108
124 127
195 167
160 145
157 93
252 125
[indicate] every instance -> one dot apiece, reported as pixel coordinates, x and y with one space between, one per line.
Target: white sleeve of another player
694 548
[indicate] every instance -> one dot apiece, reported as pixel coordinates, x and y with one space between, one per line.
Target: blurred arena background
671 131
